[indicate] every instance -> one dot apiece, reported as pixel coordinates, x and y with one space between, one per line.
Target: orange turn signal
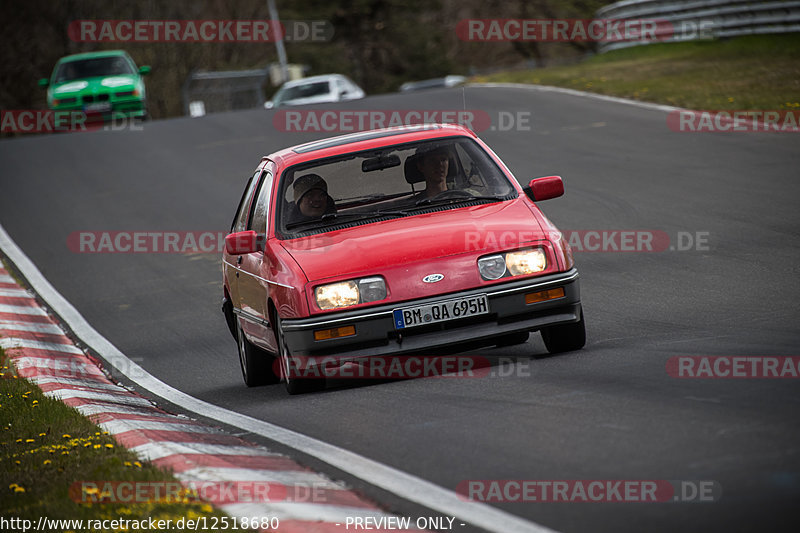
541 296
325 334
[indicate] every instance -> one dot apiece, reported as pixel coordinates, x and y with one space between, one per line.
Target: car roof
366 140
92 55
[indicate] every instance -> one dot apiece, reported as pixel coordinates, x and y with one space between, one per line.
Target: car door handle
239 260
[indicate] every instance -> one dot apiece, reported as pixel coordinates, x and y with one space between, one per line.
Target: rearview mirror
380 163
242 242
545 188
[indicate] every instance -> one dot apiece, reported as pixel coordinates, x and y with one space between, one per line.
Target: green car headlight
351 292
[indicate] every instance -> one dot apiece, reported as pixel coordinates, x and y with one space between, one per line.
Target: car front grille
102 97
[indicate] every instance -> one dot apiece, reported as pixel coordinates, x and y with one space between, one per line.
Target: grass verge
46 447
751 72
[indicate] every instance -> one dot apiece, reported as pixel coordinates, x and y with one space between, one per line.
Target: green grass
46 446
752 72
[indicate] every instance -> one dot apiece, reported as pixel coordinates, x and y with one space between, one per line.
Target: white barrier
704 19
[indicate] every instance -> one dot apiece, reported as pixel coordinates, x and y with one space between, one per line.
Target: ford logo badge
433 278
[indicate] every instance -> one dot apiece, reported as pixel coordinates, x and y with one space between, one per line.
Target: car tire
294 385
512 339
256 364
565 337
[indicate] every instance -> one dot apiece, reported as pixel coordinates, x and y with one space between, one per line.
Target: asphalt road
610 411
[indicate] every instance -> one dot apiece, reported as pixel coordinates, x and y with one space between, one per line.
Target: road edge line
399 483
584 94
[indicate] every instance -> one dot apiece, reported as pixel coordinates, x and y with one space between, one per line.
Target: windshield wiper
426 202
350 217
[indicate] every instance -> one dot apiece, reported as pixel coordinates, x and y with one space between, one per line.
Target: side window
258 220
240 221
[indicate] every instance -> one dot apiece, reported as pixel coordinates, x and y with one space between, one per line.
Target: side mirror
268 104
144 69
545 188
44 82
242 242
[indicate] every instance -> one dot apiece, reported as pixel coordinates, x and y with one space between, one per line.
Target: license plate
421 315
98 107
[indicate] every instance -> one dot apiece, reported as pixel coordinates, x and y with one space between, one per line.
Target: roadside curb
197 453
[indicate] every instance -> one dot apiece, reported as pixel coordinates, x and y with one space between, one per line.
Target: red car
392 242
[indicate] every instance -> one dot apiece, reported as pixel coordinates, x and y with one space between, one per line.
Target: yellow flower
730 99
66 436
29 440
207 509
127 463
42 434
47 462
109 445
96 446
19 489
137 463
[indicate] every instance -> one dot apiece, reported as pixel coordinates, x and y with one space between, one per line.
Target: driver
433 165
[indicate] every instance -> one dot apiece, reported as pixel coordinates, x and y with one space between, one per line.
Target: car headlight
492 267
351 292
525 262
518 263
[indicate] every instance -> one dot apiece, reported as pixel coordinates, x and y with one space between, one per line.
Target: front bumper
375 332
121 109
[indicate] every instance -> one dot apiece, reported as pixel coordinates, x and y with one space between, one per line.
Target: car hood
417 245
96 85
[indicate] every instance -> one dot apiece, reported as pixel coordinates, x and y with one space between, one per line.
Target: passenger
311 199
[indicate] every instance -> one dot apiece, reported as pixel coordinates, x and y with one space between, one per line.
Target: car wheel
294 384
256 363
565 337
512 339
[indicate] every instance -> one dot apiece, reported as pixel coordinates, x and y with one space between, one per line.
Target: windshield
93 68
302 91
395 181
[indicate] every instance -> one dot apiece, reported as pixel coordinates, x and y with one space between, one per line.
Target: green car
105 85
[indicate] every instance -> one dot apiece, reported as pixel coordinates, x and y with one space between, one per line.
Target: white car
316 90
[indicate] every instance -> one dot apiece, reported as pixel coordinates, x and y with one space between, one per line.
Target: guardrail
702 19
